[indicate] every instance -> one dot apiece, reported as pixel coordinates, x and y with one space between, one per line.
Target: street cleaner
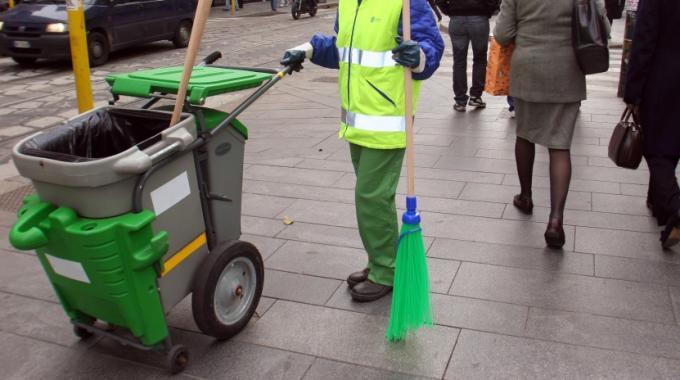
371 56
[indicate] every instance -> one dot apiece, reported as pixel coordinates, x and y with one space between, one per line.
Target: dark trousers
664 193
463 31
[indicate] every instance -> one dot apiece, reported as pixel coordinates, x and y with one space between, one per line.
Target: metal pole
233 6
79 54
11 4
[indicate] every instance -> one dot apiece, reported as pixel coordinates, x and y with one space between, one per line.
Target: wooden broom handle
408 98
202 12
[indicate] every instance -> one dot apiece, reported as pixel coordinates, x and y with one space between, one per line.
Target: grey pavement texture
505 306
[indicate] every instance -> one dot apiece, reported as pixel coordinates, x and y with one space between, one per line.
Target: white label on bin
170 193
67 268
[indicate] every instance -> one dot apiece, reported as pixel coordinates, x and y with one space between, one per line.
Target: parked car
37 29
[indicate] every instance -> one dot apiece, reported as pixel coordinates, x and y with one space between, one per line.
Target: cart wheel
177 359
81 332
295 9
228 290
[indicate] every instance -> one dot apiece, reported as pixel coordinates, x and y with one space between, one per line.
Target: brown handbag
625 146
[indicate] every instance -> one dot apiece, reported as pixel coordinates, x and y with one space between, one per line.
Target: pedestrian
371 63
469 25
228 5
273 5
547 87
652 86
614 9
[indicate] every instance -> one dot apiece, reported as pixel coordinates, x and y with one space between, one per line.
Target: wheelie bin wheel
177 359
81 332
228 289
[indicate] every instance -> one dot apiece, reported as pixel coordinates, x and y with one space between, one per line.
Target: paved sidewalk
505 306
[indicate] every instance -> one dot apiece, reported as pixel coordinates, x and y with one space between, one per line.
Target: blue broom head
411 296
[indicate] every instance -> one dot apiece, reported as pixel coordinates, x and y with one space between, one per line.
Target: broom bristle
411 296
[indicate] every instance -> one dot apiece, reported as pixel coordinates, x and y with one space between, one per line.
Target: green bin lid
204 82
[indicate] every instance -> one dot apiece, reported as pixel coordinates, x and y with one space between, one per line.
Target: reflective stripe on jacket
371 84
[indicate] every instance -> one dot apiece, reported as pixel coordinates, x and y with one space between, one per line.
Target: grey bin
92 162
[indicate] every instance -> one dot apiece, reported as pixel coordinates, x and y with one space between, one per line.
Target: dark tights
560 174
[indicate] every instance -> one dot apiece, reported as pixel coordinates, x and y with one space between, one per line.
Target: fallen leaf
287 221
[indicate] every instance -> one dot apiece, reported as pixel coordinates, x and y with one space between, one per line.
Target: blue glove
407 53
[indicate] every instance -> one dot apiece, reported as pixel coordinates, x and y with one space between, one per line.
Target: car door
157 14
127 21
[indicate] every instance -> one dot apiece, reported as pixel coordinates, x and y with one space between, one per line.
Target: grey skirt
547 124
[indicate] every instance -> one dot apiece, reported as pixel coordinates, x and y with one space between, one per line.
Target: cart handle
253 97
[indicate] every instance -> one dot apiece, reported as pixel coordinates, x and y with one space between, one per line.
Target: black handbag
625 146
589 37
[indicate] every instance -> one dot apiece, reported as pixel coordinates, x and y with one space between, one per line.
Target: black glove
294 59
407 53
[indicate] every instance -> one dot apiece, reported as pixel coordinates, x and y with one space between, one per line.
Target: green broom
411 296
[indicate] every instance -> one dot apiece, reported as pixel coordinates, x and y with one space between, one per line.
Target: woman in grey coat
547 87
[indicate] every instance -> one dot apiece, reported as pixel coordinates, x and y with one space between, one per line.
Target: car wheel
98 49
182 35
24 61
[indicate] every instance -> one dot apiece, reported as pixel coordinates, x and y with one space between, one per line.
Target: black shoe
368 291
357 277
554 234
476 102
460 107
525 205
671 234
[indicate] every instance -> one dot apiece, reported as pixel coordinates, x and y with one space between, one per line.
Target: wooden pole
202 12
408 98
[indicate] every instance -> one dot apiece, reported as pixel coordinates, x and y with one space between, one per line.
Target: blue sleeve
425 31
325 50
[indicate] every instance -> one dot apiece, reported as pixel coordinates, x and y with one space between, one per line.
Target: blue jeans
274 5
466 30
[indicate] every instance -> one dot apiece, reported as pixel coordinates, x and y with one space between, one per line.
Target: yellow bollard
79 54
233 6
10 3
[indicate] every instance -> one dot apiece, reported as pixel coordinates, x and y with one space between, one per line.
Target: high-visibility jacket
371 83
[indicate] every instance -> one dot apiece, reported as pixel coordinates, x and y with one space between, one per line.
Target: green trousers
377 172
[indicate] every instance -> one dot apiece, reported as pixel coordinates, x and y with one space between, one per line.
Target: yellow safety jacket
371 83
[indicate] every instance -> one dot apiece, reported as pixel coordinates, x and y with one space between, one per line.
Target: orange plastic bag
498 69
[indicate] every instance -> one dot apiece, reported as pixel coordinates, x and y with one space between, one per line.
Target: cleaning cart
130 215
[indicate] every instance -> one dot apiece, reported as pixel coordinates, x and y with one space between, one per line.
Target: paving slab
603 220
482 355
22 274
323 369
298 287
318 260
512 256
471 228
637 270
213 359
624 244
604 332
355 338
566 292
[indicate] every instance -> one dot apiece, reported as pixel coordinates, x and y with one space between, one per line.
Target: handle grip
211 58
25 234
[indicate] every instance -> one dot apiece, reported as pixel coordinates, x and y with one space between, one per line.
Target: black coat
614 8
654 75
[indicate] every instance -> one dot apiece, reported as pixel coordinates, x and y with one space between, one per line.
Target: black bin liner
99 134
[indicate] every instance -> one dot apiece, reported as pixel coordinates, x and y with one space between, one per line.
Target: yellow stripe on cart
183 254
